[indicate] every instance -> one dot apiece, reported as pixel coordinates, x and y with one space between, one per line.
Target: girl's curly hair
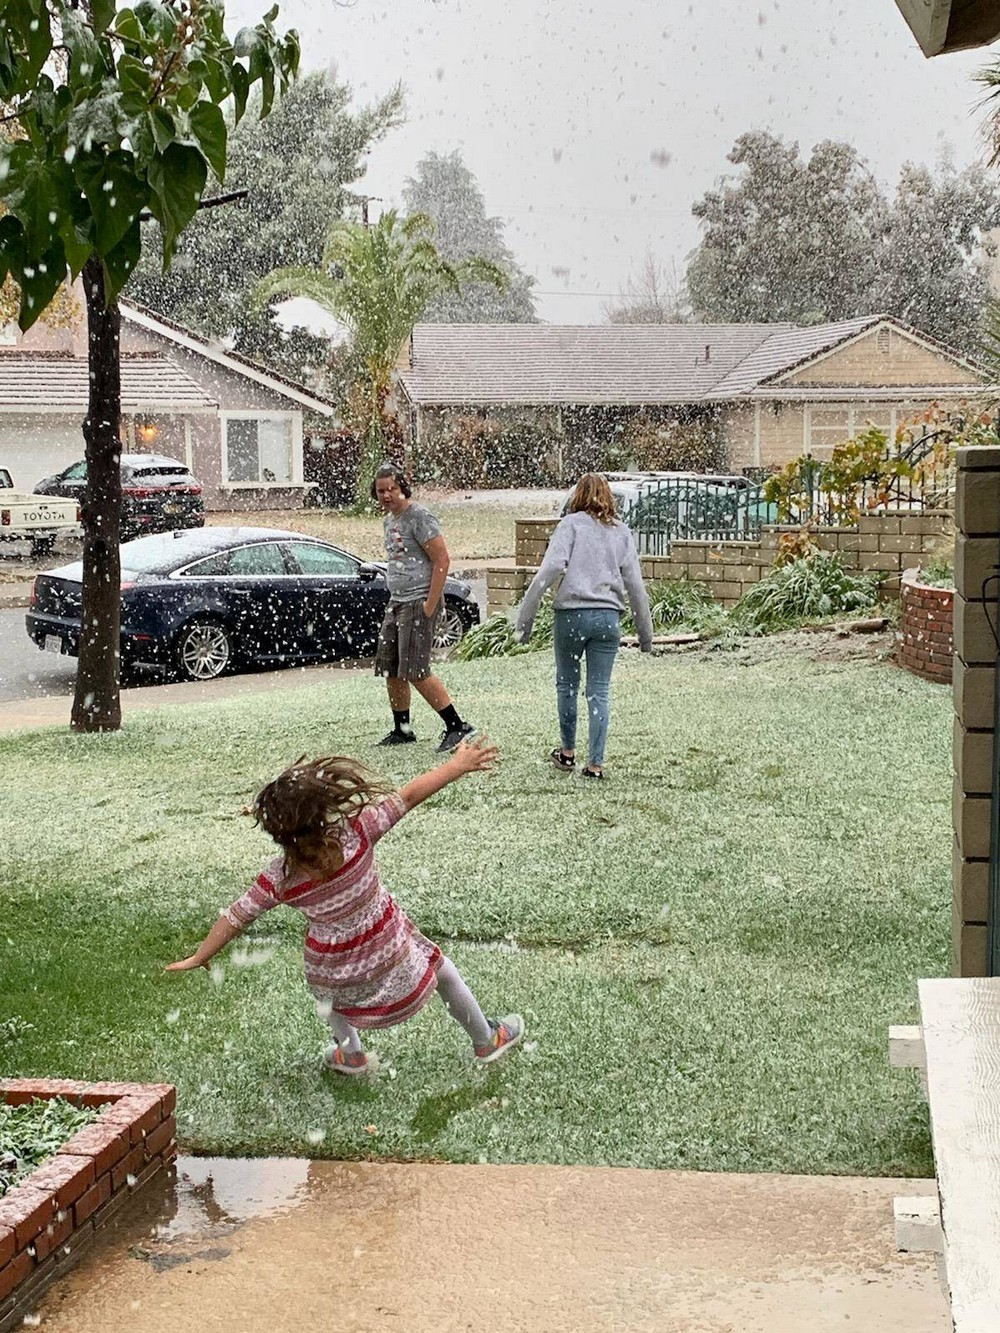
303 809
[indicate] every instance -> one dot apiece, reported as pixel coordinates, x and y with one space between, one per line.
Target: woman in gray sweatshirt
596 558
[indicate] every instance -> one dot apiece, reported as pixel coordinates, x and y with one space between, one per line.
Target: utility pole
364 200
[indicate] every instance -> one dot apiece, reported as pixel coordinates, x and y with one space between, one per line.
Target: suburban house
241 428
766 392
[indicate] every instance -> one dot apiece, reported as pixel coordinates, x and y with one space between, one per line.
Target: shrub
802 590
479 451
32 1132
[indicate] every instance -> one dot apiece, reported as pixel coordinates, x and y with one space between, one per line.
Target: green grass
708 948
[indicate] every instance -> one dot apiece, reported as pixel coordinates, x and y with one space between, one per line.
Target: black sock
450 718
401 720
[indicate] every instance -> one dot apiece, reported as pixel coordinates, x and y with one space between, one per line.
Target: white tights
458 1000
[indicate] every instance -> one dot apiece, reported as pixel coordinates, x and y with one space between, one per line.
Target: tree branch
215 202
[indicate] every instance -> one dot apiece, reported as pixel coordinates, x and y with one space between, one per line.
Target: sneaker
507 1033
452 738
398 738
352 1063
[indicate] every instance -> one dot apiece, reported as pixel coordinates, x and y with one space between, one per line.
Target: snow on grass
708 948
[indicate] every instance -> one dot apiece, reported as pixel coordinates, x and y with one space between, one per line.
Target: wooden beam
941 26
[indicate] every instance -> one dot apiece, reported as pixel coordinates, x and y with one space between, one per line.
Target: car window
266 558
312 558
212 566
76 473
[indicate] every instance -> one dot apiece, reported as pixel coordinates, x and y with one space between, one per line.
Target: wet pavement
285 1244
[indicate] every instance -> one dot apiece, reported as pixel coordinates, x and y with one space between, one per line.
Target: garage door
35 447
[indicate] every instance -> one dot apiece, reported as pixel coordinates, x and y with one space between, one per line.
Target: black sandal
562 760
589 772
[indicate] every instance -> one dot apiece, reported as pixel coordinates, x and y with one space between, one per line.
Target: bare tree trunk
96 704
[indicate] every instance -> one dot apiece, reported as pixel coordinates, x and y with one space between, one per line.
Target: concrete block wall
888 543
977 552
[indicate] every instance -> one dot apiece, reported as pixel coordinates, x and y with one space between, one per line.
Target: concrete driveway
310 1247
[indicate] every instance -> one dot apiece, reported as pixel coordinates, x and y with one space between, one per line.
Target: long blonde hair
593 496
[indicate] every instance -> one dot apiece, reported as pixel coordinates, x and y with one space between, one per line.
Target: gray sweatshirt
599 568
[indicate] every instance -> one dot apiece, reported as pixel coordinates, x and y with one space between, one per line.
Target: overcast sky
592 128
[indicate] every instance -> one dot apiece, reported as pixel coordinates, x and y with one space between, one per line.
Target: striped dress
362 953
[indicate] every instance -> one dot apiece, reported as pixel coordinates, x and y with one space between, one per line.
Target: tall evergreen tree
298 166
445 190
809 240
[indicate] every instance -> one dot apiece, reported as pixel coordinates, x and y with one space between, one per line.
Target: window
828 427
264 559
78 472
314 559
259 449
210 568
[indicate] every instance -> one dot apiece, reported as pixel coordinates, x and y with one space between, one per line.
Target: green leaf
39 279
87 67
11 245
161 122
134 76
118 265
102 13
241 90
44 197
217 79
157 20
271 14
115 194
127 25
177 179
209 126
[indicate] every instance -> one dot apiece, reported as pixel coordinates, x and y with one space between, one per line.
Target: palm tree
377 281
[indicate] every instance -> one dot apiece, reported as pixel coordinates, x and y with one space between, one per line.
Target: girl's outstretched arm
217 938
475 756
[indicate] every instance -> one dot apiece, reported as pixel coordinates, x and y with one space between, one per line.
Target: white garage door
33 447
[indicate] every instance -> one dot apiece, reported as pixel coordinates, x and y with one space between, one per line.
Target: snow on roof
46 382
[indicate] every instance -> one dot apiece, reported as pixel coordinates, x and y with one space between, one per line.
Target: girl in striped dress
366 964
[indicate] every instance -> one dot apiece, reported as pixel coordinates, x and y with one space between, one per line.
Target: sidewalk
54 710
283 1244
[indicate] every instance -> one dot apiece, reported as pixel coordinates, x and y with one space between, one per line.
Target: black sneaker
398 738
452 738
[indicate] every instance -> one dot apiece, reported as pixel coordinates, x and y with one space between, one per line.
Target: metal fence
916 476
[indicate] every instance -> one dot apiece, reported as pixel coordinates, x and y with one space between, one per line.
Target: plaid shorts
405 641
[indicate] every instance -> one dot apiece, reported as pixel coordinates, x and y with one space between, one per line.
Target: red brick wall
48 1219
925 629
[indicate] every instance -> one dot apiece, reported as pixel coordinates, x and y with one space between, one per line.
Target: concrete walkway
311 1247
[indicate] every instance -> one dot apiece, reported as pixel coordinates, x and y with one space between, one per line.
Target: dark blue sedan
214 600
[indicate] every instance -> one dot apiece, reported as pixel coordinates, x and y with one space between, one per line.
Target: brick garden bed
925 628
47 1219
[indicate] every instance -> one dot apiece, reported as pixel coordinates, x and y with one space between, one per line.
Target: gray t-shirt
409 569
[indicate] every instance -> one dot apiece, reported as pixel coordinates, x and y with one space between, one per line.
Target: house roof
624 365
575 364
48 382
233 361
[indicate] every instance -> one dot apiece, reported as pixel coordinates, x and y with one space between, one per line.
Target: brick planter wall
925 628
47 1220
884 543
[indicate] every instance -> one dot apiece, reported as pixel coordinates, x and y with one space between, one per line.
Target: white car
38 519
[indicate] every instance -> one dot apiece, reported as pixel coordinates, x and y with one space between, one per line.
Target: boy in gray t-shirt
416 570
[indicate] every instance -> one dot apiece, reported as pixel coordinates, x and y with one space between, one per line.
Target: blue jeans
595 632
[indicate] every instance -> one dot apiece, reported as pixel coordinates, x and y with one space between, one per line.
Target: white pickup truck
38 519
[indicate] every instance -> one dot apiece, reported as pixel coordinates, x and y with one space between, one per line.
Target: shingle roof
627 365
575 364
234 361
788 347
42 381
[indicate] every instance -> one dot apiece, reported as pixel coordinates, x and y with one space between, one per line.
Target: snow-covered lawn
478 525
708 947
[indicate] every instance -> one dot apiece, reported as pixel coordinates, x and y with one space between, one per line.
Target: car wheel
203 650
451 629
